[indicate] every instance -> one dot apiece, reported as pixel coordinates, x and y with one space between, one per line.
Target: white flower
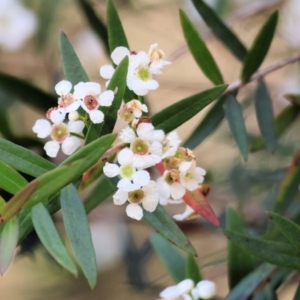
136 193
60 134
89 93
17 24
179 291
157 62
127 135
192 178
170 186
205 289
66 99
56 115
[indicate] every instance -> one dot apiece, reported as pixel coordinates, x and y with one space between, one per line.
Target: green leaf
116 34
199 51
234 115
101 192
42 187
10 180
170 257
73 69
282 122
264 114
293 98
289 186
178 113
192 270
277 253
79 233
26 92
259 48
117 82
50 238
16 203
160 221
248 284
290 229
92 152
220 30
23 159
239 262
8 243
95 22
207 126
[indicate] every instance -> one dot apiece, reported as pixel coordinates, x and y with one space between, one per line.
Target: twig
112 151
242 14
263 72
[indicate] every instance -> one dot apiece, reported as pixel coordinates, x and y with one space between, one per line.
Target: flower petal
58 115
134 211
170 293
185 286
119 53
125 156
107 71
145 131
63 87
111 170
42 128
127 135
76 126
206 289
120 197
106 98
141 178
51 148
177 191
70 145
96 116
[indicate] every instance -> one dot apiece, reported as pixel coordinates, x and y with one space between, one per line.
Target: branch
241 14
263 72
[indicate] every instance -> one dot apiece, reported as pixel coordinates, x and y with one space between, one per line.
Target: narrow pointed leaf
8 243
264 115
220 30
15 204
259 48
249 283
23 159
95 22
178 113
160 221
116 34
118 84
199 51
293 98
289 186
101 192
290 229
192 270
73 69
281 123
26 92
79 233
198 202
10 180
170 257
207 126
239 262
50 238
234 115
277 253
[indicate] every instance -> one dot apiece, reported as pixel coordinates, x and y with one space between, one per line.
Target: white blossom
205 289
66 99
60 134
188 214
192 178
17 24
179 291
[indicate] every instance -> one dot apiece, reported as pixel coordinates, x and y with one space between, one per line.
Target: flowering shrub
146 165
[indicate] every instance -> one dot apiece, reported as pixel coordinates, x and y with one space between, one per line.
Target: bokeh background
128 266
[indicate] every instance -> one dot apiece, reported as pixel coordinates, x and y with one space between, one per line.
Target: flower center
126 114
136 196
172 176
66 100
59 132
139 147
143 74
90 102
127 171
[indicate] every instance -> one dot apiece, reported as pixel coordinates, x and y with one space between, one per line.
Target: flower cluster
186 290
148 147
142 66
88 97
